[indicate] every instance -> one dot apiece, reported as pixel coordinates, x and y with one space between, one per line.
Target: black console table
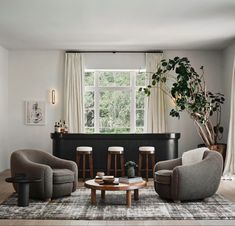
64 145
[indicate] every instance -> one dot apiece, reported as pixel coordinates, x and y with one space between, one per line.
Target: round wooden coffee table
120 187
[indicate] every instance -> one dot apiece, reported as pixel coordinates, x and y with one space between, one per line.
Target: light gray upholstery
174 181
58 176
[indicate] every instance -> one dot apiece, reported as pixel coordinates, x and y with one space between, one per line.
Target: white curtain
73 92
229 169
156 105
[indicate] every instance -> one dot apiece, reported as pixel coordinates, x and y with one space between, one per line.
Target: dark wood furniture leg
128 198
136 194
93 196
140 164
102 194
83 166
115 165
91 166
122 165
109 163
147 167
153 161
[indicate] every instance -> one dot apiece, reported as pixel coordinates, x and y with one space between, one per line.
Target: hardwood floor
227 189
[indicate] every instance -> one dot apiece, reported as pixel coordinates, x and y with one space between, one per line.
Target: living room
92 84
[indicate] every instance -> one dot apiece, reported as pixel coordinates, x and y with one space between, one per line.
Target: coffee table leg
93 196
136 194
102 194
23 194
128 198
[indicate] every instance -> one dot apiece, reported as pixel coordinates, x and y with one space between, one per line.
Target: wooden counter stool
146 151
116 152
84 151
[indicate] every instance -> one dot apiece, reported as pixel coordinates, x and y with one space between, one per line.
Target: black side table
23 187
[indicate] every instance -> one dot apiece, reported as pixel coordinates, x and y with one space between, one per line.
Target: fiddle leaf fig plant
188 92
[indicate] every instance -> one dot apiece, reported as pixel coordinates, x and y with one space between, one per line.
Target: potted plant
189 93
130 168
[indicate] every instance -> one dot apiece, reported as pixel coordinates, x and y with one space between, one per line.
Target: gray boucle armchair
178 182
58 176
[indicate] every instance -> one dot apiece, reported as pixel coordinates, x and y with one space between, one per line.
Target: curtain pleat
156 102
73 92
229 169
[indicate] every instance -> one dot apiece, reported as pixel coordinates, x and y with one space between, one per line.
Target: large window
112 101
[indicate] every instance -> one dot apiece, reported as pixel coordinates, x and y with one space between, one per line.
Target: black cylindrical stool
147 152
84 151
117 152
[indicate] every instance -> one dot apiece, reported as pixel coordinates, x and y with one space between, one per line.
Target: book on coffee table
126 180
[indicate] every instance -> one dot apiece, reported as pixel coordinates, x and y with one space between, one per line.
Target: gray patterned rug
149 207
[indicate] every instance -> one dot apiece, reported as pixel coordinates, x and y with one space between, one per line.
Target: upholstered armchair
178 182
58 176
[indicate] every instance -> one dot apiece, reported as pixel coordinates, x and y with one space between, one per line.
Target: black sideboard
64 145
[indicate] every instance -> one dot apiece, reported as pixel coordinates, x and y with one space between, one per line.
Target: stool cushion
163 176
147 148
61 176
84 148
116 149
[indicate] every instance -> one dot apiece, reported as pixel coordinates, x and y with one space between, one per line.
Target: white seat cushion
115 148
84 148
146 148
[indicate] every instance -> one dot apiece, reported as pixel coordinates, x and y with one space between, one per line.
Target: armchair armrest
167 165
20 165
59 163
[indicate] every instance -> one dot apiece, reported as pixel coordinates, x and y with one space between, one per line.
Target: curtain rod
151 51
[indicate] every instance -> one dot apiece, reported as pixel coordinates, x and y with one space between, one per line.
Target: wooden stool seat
84 151
117 152
146 151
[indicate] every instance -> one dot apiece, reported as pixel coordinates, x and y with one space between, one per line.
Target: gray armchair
58 176
178 182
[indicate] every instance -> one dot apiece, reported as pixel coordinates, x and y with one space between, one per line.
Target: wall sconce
53 97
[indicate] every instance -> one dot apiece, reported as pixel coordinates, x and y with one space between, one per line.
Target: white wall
4 156
31 75
228 60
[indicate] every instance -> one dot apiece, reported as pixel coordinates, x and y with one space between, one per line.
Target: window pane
140 99
114 109
122 78
89 130
89 118
89 79
140 79
139 118
106 78
139 129
114 79
112 130
89 99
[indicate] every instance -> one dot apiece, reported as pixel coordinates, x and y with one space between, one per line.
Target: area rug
148 207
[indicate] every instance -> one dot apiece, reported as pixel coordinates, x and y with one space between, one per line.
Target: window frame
133 88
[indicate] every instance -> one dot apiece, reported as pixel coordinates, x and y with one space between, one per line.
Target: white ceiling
116 24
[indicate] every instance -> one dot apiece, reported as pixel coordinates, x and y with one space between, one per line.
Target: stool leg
108 163
147 167
140 164
78 159
91 166
115 165
84 167
153 162
122 165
